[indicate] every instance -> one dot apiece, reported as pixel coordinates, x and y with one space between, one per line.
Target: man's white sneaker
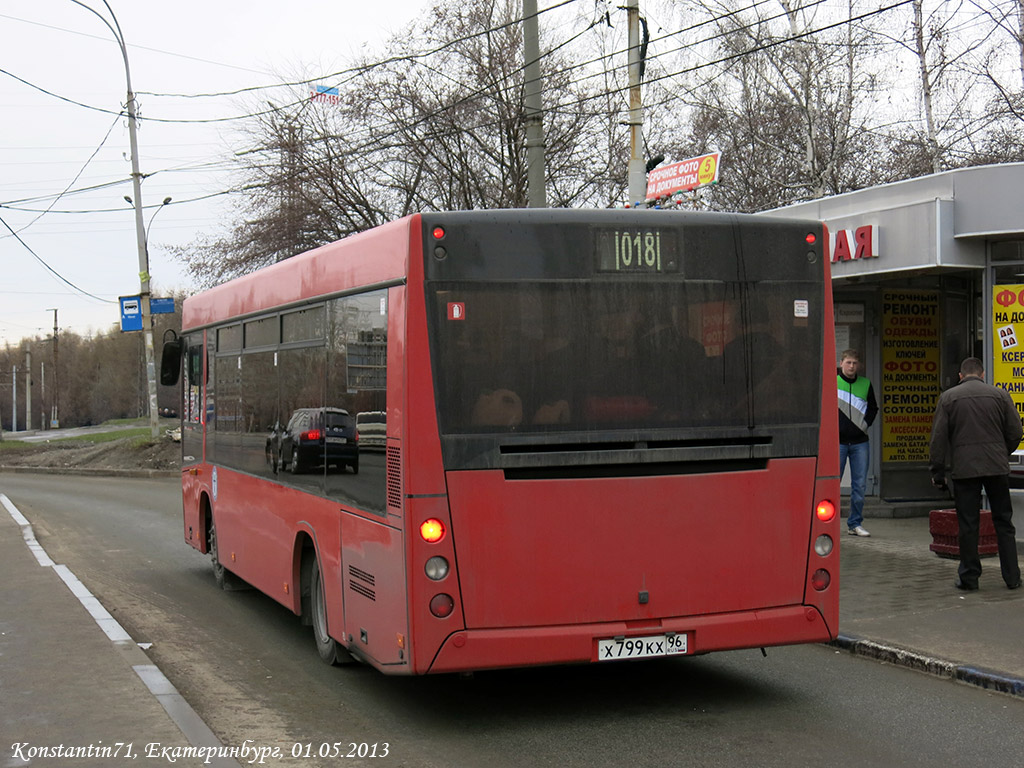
858 531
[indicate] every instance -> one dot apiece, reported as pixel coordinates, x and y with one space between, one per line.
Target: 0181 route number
650 251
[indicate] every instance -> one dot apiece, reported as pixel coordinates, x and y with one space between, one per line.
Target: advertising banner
910 373
683 176
1008 341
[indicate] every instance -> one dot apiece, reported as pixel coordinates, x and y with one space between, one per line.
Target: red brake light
313 434
438 233
442 605
826 511
820 579
432 530
811 238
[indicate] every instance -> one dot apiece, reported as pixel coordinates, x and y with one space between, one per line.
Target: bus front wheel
225 579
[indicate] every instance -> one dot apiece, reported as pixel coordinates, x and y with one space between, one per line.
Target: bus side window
195 364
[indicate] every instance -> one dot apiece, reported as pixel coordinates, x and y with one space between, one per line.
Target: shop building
926 272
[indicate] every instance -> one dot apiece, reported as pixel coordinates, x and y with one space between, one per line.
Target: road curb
96 472
982 678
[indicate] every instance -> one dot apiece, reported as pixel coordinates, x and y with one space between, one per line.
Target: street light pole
140 230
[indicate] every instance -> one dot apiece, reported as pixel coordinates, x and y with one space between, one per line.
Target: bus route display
648 251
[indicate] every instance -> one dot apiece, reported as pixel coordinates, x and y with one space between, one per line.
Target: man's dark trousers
967 495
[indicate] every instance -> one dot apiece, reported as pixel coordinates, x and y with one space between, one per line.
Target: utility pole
28 390
534 104
54 411
140 229
140 237
14 398
637 167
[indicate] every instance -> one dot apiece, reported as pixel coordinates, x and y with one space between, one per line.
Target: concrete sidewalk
898 604
74 688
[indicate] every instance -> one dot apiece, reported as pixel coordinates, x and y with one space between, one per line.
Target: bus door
193 424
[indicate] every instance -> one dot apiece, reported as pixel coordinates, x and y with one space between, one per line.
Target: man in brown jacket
975 429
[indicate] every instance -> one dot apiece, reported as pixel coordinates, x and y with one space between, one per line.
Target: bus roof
303 278
396 247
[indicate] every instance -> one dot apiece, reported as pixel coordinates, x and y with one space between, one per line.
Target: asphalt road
250 670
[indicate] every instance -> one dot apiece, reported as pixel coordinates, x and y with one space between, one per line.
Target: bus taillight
826 511
821 579
811 238
432 530
442 605
438 233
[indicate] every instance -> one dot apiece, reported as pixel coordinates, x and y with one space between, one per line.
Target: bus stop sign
131 311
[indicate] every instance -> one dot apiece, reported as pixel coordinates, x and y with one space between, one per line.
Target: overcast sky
182 47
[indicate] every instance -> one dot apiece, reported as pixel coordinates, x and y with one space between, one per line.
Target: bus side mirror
170 362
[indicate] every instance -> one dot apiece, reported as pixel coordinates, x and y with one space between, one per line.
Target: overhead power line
352 71
103 39
50 269
77 176
367 141
357 144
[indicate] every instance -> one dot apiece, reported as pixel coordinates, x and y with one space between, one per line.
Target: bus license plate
640 647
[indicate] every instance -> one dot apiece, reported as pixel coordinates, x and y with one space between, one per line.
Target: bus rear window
570 356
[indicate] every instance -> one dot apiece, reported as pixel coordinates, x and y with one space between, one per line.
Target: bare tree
784 96
951 44
439 126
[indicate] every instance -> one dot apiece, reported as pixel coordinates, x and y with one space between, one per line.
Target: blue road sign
131 313
161 306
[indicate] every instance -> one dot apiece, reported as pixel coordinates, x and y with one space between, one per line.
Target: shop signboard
910 374
1008 341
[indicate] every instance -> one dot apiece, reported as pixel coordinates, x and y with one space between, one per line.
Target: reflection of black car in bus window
315 437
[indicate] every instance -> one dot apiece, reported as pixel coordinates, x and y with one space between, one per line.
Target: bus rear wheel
329 649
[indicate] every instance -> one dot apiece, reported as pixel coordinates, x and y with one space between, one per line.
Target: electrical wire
53 271
566 106
354 71
135 47
77 176
363 68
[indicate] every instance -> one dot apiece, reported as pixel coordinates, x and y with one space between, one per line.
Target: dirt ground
126 453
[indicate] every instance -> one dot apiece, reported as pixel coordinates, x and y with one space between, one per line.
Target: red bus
607 434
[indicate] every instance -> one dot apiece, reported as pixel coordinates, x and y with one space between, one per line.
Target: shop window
1012 250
